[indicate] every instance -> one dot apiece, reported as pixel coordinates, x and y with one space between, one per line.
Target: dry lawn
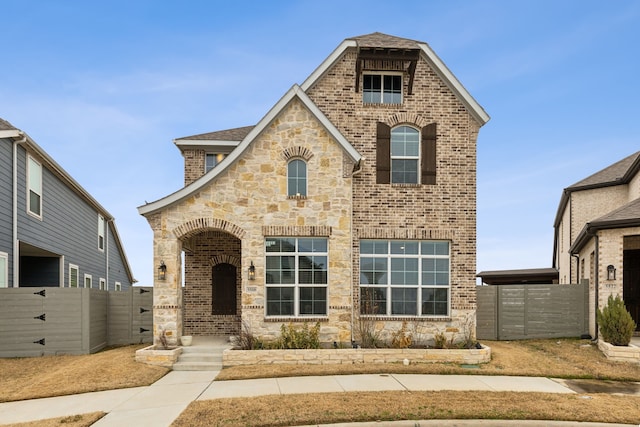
35 377
313 409
84 420
562 358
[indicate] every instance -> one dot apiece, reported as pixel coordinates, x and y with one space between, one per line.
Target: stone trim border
351 356
629 353
154 356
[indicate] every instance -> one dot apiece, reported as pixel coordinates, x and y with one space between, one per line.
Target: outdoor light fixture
252 271
162 271
611 272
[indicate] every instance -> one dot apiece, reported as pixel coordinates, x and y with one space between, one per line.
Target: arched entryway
212 284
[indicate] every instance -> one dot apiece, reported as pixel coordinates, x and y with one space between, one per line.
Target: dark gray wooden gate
513 312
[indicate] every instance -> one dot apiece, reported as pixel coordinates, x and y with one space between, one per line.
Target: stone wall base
153 356
629 353
354 356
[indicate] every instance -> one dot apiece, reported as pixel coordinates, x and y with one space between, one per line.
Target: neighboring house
597 236
353 197
52 232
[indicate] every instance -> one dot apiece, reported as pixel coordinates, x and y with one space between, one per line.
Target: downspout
597 286
14 219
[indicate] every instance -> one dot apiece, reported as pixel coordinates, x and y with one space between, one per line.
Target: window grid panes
212 160
405 155
297 178
34 171
382 89
404 278
296 276
73 276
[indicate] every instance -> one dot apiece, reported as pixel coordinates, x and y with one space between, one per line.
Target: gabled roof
223 140
384 41
620 172
625 216
7 130
294 93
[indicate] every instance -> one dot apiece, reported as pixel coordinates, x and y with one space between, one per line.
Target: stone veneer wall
207 250
446 210
249 201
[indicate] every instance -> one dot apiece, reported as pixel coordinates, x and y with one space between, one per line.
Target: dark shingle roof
5 125
235 134
381 40
611 175
628 212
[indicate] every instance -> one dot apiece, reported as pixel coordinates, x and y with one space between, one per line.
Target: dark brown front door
631 284
223 292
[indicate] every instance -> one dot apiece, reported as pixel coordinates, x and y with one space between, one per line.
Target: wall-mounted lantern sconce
611 272
252 271
162 271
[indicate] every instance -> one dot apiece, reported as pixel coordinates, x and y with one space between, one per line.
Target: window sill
405 318
297 197
406 185
299 319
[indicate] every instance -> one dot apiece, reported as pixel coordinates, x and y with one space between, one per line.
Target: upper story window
34 186
103 284
4 270
297 178
405 155
87 281
212 160
101 229
382 89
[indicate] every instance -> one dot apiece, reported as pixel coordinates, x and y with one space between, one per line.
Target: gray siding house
52 232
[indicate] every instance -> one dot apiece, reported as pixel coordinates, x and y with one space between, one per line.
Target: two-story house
353 197
597 236
53 233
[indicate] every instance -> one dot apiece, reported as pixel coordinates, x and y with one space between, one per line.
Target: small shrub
401 338
440 340
246 340
616 324
303 338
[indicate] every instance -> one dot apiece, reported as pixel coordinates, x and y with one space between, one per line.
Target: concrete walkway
162 402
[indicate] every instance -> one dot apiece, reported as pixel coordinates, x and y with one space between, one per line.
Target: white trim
454 84
294 92
430 56
205 143
4 275
10 133
77 275
84 283
103 284
117 286
101 232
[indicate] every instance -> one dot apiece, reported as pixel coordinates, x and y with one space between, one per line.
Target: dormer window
212 160
382 89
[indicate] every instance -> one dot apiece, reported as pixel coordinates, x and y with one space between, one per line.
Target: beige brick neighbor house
597 236
354 196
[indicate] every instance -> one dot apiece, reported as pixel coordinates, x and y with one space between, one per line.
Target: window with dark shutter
429 154
383 154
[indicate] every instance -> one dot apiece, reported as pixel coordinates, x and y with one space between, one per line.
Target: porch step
203 355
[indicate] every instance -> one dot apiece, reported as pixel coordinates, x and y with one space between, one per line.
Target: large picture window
404 278
296 276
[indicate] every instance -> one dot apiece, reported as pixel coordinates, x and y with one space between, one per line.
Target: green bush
616 324
303 338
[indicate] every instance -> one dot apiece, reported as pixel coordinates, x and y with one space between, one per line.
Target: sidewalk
162 402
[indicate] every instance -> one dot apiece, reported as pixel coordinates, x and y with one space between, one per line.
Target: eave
235 155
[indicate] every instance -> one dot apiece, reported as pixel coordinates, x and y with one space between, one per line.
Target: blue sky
104 88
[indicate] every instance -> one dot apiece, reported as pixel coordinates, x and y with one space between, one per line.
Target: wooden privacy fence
514 312
49 321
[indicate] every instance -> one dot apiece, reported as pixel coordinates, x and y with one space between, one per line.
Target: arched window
297 178
405 155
